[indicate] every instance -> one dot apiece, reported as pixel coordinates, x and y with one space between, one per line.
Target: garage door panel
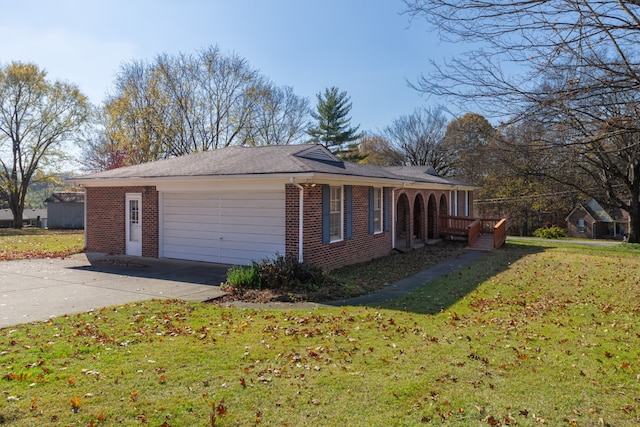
252 238
181 226
196 243
236 245
182 252
268 226
191 234
253 204
202 204
188 199
234 228
197 210
255 218
191 219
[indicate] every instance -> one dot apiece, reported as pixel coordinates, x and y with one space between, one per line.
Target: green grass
533 333
39 243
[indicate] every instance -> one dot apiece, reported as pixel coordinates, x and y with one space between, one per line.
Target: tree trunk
634 214
18 210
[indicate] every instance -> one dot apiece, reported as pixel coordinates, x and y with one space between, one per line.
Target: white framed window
377 210
335 214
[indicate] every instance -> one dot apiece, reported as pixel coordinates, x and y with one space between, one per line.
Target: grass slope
39 243
529 334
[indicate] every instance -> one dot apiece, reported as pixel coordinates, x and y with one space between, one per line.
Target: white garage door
229 228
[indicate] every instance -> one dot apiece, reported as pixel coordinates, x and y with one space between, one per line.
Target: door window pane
134 221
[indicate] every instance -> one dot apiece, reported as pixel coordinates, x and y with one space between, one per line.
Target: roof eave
300 177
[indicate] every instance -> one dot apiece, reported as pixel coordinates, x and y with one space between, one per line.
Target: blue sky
364 47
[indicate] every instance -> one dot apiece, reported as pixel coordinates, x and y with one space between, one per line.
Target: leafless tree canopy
572 66
180 104
418 138
517 46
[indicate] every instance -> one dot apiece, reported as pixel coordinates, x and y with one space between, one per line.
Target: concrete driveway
38 289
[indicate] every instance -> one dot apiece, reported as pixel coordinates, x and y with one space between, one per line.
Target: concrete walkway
411 283
38 289
395 290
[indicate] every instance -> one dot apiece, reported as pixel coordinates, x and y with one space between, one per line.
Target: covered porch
422 218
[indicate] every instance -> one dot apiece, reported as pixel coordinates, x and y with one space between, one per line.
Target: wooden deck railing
500 233
472 228
454 225
473 232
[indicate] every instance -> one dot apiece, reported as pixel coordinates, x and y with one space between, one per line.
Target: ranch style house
237 205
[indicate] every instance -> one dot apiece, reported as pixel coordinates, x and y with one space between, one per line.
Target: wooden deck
480 233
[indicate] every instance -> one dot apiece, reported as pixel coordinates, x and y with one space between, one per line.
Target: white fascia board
438 186
196 183
333 179
256 181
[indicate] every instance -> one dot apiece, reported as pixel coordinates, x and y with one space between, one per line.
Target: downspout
84 219
393 215
300 218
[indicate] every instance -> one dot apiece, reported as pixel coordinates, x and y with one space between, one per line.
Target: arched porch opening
443 205
403 218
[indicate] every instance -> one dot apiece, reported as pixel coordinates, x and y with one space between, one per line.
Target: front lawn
530 335
39 243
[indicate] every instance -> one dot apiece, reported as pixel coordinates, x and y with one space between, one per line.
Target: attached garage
222 227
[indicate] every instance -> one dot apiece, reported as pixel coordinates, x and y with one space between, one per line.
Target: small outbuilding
590 220
65 210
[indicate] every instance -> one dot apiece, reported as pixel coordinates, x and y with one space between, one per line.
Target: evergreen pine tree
333 128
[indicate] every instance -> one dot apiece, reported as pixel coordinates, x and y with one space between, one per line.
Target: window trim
339 237
377 191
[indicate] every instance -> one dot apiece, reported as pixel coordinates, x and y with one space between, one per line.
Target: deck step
483 243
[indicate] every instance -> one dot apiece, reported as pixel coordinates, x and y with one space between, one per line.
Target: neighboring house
30 218
6 218
591 221
65 210
241 204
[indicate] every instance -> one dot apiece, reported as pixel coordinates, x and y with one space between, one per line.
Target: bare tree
280 118
182 104
570 65
37 117
418 137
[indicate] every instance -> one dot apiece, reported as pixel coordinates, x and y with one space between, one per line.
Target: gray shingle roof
275 159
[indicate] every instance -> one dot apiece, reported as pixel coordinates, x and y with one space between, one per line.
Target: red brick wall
361 247
106 219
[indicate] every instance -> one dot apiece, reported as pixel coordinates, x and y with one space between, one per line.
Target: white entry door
133 221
